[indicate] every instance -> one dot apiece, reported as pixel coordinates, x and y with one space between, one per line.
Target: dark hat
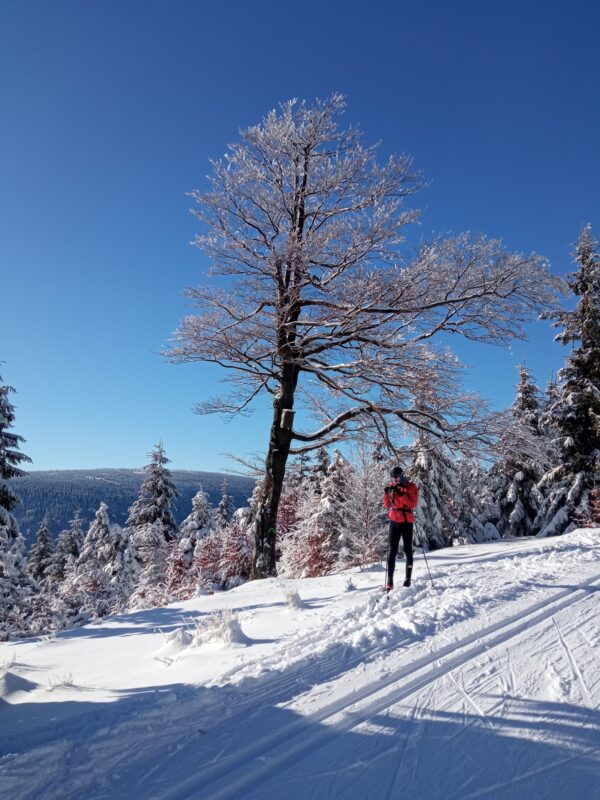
397 472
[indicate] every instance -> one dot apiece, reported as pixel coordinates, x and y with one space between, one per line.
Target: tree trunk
265 530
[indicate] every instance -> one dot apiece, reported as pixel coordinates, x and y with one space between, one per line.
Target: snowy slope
485 685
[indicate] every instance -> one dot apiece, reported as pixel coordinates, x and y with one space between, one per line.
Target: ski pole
424 556
426 562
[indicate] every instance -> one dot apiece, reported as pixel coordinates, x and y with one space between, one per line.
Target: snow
483 685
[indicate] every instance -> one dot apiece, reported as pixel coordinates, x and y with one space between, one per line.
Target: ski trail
574 667
418 706
478 710
236 775
531 773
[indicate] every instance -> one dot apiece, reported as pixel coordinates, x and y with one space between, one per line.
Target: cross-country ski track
486 685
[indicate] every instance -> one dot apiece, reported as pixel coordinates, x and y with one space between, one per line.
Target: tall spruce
157 495
68 547
225 509
107 566
15 582
521 463
41 553
434 473
575 415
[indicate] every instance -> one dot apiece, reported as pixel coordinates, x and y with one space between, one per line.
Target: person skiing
401 498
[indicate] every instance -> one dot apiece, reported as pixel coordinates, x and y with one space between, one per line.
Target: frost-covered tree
181 575
311 549
293 488
41 553
151 549
157 495
522 450
68 547
434 472
575 415
319 304
107 567
236 553
16 585
225 509
207 560
475 509
365 517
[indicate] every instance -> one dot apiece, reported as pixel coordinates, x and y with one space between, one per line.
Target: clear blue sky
109 112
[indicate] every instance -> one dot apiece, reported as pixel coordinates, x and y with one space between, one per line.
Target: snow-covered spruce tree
522 451
151 549
225 509
236 553
41 553
68 547
320 303
474 507
434 472
293 489
365 517
16 584
107 567
576 413
336 487
181 576
312 548
157 494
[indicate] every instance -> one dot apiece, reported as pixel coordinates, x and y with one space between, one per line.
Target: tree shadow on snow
180 742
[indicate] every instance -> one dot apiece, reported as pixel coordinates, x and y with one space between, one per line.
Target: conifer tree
157 495
575 416
475 508
41 553
107 566
68 547
236 553
523 451
225 508
182 577
435 476
16 584
151 549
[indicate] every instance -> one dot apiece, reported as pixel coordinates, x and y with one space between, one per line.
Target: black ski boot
408 575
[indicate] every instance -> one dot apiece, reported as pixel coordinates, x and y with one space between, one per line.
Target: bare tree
305 229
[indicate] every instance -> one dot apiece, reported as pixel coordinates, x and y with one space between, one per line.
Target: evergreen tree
576 413
182 577
225 508
236 552
311 548
107 566
157 495
522 456
15 582
435 476
151 549
475 509
68 547
41 553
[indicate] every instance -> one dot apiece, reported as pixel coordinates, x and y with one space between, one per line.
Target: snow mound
221 627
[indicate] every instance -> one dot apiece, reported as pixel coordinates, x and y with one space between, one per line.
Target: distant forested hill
59 493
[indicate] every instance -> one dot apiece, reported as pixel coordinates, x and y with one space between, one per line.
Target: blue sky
109 112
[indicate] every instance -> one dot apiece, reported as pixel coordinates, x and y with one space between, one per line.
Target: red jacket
405 499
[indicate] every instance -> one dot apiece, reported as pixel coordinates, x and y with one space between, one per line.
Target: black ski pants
398 530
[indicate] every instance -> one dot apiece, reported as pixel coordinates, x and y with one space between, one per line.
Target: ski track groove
477 643
574 666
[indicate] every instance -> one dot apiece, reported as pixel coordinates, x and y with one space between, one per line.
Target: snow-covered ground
485 685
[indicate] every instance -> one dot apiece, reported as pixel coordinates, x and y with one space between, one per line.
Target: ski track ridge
273 753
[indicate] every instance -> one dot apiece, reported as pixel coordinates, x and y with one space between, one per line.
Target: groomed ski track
236 777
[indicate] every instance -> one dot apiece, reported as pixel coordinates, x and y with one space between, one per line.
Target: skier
401 497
